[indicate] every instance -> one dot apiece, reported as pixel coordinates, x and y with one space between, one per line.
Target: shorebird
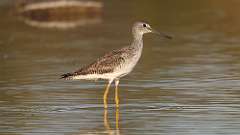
117 63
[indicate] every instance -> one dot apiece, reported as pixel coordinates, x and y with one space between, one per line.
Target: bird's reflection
107 126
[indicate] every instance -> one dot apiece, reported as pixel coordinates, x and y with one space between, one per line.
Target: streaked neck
137 40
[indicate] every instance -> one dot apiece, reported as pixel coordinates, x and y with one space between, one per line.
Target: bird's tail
67 76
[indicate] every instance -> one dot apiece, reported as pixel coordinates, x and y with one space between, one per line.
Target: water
187 86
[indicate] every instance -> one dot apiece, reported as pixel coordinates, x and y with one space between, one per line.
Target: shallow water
187 86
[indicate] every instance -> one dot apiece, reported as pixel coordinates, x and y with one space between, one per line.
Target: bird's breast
128 65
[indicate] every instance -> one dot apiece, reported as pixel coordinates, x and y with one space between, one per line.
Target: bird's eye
144 25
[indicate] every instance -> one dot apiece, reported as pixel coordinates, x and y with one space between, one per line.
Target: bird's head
143 28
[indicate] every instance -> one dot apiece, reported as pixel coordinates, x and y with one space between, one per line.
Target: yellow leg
117 119
106 124
105 96
116 93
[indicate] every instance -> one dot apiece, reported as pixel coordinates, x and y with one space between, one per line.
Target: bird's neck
137 41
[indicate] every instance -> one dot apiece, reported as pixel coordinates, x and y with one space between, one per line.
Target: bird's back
112 65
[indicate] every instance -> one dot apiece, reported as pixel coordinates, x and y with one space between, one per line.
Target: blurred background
187 86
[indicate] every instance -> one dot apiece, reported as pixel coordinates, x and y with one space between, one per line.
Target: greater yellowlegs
117 63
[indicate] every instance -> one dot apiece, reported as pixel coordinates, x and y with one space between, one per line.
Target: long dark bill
161 34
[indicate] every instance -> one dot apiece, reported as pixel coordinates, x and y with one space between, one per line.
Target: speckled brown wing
105 64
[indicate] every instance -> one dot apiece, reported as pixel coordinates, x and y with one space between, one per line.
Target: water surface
187 86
